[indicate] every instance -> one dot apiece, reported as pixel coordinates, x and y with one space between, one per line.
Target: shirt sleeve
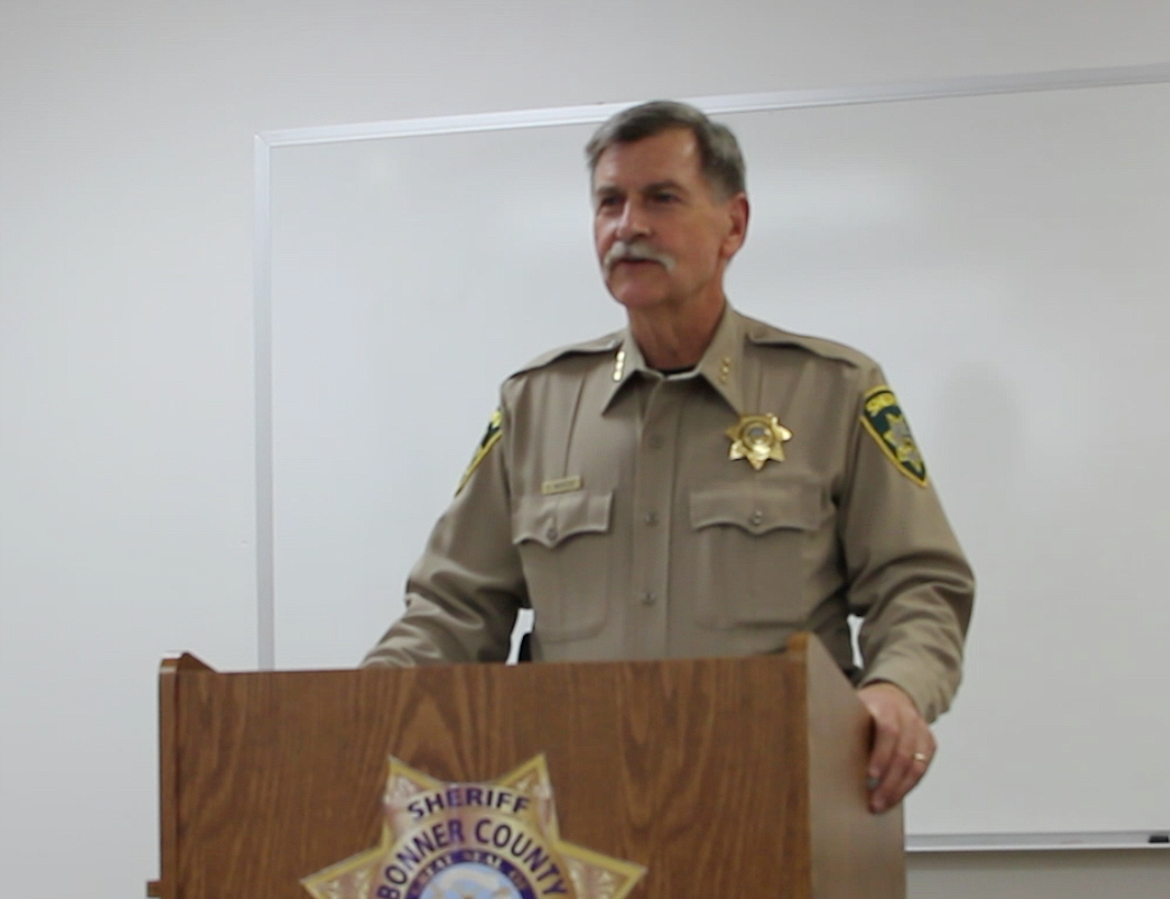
909 580
463 595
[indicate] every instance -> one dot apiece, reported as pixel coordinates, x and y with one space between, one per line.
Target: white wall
126 411
967 242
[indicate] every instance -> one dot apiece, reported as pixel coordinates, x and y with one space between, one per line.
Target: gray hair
720 159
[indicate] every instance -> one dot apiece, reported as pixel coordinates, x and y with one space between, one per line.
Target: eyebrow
666 184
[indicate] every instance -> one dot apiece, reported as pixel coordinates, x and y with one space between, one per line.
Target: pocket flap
758 508
550 520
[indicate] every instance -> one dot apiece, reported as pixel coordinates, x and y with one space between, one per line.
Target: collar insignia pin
619 365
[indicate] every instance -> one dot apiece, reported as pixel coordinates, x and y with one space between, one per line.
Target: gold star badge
758 438
497 839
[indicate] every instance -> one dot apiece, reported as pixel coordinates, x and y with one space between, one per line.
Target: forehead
671 155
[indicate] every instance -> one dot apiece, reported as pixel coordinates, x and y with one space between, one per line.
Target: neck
671 338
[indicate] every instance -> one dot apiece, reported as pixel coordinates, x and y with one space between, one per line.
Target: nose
632 223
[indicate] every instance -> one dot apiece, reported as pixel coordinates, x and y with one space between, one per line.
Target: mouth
636 269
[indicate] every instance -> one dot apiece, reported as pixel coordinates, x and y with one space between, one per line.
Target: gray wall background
127 479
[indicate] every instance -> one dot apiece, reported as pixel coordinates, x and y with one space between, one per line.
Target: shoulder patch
886 422
490 438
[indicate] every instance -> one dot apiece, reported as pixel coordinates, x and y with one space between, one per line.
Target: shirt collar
721 365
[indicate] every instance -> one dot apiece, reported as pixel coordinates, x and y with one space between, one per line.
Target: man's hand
903 745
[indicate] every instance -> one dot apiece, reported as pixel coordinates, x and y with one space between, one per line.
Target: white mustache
622 250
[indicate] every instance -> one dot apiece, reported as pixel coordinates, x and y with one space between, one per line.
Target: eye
608 201
664 196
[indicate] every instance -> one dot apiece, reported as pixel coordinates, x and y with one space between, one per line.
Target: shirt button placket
652 505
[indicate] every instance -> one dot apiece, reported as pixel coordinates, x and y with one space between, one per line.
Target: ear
737 215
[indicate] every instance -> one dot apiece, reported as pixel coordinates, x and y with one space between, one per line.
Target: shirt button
656 442
649 598
651 518
552 533
757 518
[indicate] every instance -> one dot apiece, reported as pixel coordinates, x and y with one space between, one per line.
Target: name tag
561 485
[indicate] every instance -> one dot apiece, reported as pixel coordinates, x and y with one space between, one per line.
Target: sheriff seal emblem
495 840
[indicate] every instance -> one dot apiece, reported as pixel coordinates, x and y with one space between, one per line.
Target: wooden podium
723 777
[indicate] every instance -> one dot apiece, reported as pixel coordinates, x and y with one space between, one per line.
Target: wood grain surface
850 847
697 769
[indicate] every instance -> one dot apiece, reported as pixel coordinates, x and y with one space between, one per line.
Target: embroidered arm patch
485 445
886 422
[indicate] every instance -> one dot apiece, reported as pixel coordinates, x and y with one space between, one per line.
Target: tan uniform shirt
610 506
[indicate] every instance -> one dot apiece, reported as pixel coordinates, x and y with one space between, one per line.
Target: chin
635 293
637 299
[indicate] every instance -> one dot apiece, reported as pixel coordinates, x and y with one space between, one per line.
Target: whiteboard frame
265 142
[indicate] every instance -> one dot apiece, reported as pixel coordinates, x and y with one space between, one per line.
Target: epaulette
766 335
606 344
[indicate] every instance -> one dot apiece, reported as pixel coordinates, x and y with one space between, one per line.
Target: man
700 483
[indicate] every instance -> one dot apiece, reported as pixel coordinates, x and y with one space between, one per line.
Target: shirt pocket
564 543
753 544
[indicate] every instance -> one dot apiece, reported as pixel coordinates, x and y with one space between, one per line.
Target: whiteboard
1004 256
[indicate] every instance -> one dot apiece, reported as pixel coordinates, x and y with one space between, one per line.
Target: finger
899 770
913 766
914 773
885 744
